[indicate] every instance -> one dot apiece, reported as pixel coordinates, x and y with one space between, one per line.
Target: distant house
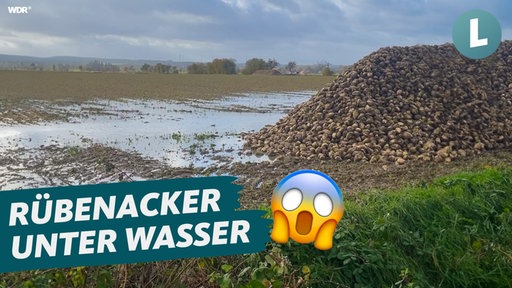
267 72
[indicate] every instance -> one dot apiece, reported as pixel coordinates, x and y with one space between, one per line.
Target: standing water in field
181 134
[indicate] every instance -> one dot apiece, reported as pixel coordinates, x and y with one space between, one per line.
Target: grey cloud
338 31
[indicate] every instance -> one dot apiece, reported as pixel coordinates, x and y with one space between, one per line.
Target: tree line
255 64
100 66
228 66
217 66
159 68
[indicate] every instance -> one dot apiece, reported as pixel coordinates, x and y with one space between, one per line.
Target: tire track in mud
56 166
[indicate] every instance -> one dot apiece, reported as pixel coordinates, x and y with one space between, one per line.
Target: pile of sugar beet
400 104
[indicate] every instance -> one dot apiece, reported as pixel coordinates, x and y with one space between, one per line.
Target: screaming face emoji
307 205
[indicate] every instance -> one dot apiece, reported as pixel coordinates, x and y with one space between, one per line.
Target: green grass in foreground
453 232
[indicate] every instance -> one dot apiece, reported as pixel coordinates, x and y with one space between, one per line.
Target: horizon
237 62
338 32
159 60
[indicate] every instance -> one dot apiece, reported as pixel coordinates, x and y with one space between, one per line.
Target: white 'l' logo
473 35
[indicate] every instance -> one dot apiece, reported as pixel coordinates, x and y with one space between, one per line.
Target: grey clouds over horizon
334 31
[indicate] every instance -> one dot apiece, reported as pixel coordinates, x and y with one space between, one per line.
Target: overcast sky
334 31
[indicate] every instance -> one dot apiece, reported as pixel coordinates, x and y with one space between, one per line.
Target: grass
204 136
75 86
455 231
177 136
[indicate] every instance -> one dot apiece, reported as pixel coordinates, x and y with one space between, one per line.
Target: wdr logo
19 9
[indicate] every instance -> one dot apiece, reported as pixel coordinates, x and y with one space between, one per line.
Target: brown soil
355 177
52 165
76 86
21 92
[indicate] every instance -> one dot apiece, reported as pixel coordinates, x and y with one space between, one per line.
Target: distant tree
291 66
222 66
100 66
93 66
197 68
272 63
63 67
145 67
128 69
253 65
162 68
159 68
327 71
320 66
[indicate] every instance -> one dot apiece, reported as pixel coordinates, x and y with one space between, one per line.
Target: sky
338 32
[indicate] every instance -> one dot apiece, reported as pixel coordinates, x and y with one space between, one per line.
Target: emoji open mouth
304 222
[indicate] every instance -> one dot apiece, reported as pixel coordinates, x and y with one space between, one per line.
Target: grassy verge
453 232
74 86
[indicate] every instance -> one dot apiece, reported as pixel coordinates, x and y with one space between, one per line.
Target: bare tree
291 66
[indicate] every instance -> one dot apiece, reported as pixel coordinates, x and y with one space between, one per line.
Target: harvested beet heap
399 104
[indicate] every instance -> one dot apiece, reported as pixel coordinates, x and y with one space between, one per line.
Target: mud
53 165
29 112
57 166
179 133
73 158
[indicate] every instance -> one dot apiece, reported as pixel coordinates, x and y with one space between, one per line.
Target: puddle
195 133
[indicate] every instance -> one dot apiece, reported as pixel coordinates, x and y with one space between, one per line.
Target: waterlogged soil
55 166
47 143
179 133
70 143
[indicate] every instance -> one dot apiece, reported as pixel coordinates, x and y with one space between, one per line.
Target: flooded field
177 134
64 142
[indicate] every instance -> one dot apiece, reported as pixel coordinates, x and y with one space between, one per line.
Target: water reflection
181 134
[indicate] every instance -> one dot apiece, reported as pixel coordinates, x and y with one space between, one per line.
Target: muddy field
71 137
75 86
76 128
195 134
53 165
19 89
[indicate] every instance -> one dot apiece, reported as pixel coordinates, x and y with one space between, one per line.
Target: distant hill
10 61
72 63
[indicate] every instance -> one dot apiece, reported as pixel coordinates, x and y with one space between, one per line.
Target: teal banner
126 222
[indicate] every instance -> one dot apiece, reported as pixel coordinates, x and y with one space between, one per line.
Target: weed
192 149
204 136
73 151
177 136
267 269
107 164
